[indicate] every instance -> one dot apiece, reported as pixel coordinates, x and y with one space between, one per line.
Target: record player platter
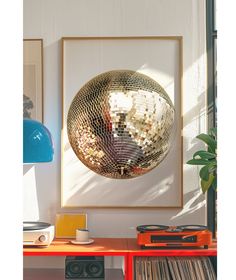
35 225
37 234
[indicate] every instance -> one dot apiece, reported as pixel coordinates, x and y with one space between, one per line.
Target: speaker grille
85 268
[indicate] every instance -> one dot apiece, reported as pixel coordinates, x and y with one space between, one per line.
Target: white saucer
90 241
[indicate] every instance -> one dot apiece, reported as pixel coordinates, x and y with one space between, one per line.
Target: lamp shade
37 142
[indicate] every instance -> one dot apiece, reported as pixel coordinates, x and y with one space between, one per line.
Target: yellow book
67 223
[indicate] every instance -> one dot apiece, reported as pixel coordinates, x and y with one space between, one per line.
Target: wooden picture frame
159 57
33 79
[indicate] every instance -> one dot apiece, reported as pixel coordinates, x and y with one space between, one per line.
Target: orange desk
126 247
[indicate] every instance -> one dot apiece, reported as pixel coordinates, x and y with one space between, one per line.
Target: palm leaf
198 162
213 132
208 160
204 173
211 142
204 155
207 184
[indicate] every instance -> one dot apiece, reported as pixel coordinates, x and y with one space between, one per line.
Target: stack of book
174 268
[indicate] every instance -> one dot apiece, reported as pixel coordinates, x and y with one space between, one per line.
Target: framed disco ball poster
122 122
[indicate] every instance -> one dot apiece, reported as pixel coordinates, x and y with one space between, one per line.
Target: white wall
53 19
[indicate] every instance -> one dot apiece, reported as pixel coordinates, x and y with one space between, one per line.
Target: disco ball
119 124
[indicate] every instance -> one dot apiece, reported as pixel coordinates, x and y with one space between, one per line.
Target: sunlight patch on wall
192 205
166 80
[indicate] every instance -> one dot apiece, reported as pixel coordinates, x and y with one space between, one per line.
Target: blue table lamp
37 142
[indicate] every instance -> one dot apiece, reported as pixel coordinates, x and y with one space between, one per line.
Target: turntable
185 236
37 234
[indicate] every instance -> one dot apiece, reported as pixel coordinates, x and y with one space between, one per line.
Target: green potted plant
207 159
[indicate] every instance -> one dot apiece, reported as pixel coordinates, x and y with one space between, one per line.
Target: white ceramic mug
82 235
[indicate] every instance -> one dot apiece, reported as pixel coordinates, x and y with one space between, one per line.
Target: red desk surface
63 247
113 247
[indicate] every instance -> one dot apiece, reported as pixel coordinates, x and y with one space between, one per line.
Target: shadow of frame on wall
160 58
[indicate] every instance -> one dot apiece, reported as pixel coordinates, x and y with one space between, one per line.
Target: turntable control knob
42 238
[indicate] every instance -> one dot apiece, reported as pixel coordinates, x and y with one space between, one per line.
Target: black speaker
85 268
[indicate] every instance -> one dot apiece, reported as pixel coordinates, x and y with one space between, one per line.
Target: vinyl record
144 228
192 227
35 225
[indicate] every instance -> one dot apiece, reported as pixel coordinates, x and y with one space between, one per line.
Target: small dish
90 241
